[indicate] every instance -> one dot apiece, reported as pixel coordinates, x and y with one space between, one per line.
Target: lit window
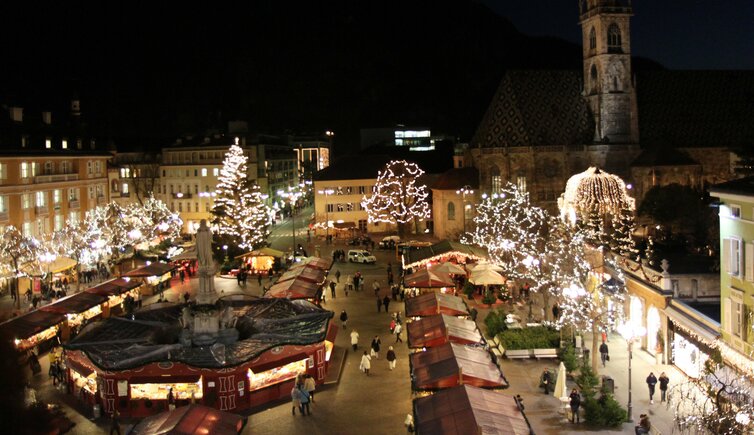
79 144
73 217
24 170
3 171
64 145
41 199
27 229
3 204
97 167
216 171
204 172
48 143
57 196
124 188
58 222
73 194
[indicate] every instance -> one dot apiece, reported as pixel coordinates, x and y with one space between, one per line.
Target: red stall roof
114 287
74 304
430 304
466 409
27 325
154 269
425 278
310 274
293 289
436 330
189 420
439 367
316 262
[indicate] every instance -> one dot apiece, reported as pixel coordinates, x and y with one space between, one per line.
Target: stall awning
154 269
313 275
75 304
30 324
467 409
437 330
79 368
188 254
445 248
189 420
114 287
293 289
435 303
441 367
677 316
428 279
263 252
315 262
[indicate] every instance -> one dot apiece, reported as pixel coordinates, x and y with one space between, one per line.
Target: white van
361 256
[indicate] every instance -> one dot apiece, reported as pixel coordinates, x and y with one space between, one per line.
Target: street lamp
630 332
292 195
465 190
326 192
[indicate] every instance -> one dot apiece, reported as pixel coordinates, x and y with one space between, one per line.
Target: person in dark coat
575 403
379 304
344 319
651 382
603 353
376 347
332 289
664 381
386 302
546 380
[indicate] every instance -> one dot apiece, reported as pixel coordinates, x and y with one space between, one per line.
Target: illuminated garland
397 198
424 262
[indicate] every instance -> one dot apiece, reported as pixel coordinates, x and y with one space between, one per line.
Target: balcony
101 200
55 178
74 203
181 195
41 210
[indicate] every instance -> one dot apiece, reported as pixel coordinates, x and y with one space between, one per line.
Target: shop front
692 337
155 276
261 261
645 307
34 329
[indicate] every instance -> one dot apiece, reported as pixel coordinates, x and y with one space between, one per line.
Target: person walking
295 399
355 340
603 353
305 398
651 382
664 381
349 284
376 347
259 279
386 303
546 380
332 289
376 287
397 332
337 276
310 386
379 304
344 319
366 363
575 403
171 400
391 359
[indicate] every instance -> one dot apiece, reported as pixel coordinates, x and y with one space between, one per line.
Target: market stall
466 409
78 309
294 289
430 304
261 261
313 262
437 330
310 274
453 364
32 329
428 280
116 291
190 420
156 276
445 250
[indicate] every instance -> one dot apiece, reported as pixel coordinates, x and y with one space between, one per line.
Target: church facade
650 127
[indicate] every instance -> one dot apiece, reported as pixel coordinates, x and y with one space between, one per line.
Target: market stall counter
32 329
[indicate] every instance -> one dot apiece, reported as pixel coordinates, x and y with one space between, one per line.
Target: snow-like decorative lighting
593 189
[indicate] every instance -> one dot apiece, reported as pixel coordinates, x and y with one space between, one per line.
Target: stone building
649 127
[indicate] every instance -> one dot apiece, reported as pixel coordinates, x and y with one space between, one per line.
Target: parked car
360 240
389 242
361 256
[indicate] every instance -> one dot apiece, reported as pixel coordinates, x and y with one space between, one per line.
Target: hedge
537 337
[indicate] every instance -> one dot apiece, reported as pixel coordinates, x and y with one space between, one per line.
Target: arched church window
593 80
451 211
613 39
496 181
592 39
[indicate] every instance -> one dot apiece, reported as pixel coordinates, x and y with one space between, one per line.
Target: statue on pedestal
207 294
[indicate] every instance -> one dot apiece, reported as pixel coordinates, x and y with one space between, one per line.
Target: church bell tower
608 86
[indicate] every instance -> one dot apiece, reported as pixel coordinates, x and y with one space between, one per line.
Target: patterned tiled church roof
536 108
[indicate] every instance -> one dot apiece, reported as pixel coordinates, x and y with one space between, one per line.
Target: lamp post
292 195
465 190
630 332
327 193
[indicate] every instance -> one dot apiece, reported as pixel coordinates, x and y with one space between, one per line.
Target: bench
518 354
496 341
498 355
545 353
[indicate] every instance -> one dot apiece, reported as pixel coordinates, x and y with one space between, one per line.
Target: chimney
17 114
47 117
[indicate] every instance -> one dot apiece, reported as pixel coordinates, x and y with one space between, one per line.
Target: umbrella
560 383
486 277
485 266
427 279
449 267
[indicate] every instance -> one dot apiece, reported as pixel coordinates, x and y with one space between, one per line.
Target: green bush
495 322
538 337
469 289
488 298
604 411
568 356
587 380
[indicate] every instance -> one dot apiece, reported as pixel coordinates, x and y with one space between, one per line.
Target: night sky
690 34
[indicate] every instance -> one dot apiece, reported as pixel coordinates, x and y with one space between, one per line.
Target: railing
74 203
56 178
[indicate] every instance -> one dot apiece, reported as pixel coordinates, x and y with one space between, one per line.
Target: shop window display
155 391
276 375
89 383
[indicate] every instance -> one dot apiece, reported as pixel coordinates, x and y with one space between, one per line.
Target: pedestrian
575 403
603 353
386 303
555 311
376 287
390 358
349 284
376 347
651 382
344 319
546 380
259 278
332 289
171 400
379 304
295 399
397 332
354 339
366 363
305 398
644 426
392 324
664 381
337 276
310 386
183 276
186 297
114 422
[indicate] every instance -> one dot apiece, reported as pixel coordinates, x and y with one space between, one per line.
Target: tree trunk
595 347
546 303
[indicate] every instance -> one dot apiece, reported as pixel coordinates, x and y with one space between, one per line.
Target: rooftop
741 186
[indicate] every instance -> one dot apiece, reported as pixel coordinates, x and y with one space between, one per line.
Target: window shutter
740 257
725 256
727 312
749 261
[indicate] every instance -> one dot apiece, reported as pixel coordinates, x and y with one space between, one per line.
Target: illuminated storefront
688 357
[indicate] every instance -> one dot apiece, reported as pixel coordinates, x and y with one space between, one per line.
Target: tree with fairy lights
623 226
72 241
240 212
717 402
16 250
155 219
111 229
398 198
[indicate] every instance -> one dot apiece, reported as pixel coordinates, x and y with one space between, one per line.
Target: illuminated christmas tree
622 241
398 198
240 212
16 250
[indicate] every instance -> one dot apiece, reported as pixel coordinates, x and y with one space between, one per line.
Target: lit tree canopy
16 250
156 219
240 211
397 197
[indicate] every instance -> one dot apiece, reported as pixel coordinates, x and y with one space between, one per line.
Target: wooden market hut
310 274
36 328
261 261
313 262
453 364
116 291
440 329
466 409
444 251
430 304
153 275
293 289
190 420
